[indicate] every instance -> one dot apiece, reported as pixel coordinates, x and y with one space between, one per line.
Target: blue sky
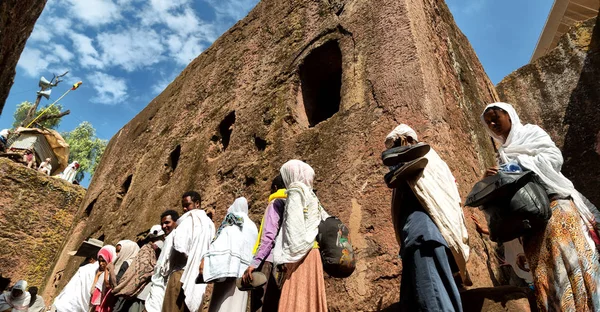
127 51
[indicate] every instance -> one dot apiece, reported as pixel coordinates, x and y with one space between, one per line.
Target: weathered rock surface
560 92
322 81
17 19
36 213
497 299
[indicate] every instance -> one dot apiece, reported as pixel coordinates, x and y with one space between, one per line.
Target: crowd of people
278 267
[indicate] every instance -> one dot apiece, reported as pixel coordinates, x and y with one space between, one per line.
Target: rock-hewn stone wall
253 100
36 213
560 92
17 19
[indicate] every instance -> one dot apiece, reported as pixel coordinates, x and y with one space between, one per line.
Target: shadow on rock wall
582 142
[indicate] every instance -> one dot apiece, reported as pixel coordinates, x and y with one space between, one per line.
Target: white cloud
62 52
111 90
41 33
233 9
94 12
88 55
32 61
161 85
188 51
131 49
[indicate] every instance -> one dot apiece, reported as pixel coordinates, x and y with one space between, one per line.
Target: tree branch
53 116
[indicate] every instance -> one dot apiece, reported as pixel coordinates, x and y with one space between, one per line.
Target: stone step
496 299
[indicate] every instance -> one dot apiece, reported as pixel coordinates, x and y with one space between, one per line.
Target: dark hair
193 195
277 183
33 291
174 215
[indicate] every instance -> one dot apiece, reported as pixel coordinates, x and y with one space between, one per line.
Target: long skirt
226 297
565 268
266 298
304 287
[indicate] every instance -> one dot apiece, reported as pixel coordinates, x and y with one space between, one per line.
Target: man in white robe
190 241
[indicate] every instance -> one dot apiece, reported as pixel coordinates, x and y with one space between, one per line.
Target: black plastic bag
516 204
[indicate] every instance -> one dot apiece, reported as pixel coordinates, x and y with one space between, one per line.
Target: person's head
402 135
28 152
190 200
168 221
277 184
498 121
239 206
106 255
48 160
297 171
18 289
156 233
33 291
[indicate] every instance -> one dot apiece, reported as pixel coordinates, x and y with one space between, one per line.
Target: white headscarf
297 171
534 150
231 252
401 131
437 192
129 249
20 303
302 214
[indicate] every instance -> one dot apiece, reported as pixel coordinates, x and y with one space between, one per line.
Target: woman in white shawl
228 256
126 252
296 252
562 257
17 299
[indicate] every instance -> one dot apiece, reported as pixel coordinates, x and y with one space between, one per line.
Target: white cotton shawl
534 150
302 214
17 304
437 192
129 249
76 294
231 252
70 172
158 282
193 236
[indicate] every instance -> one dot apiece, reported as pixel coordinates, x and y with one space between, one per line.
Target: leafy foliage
23 108
85 148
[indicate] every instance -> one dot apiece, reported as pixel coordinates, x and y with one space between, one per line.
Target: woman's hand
491 171
479 227
247 277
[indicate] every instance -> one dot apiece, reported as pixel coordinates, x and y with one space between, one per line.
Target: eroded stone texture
247 104
17 19
36 213
560 92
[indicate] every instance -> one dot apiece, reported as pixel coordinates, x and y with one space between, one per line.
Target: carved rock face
17 19
36 213
315 81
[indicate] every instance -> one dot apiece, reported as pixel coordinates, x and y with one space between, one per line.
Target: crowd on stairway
548 229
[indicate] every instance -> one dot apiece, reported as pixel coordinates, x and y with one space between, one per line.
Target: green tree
23 108
85 148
